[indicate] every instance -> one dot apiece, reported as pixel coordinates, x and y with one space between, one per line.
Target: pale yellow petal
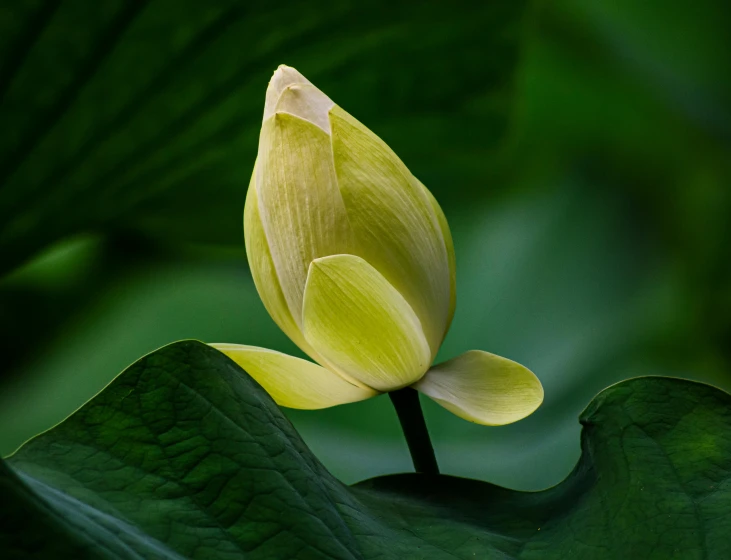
264 274
294 382
308 103
449 244
361 324
283 77
393 221
483 388
301 209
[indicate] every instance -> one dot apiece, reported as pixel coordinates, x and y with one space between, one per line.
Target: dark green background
580 151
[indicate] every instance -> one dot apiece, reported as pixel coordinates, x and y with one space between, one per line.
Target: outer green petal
361 325
483 388
394 222
264 274
294 382
301 209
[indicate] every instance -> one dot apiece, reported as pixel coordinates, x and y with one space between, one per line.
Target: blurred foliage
580 151
144 115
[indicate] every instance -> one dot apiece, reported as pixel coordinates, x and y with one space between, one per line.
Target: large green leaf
145 114
184 455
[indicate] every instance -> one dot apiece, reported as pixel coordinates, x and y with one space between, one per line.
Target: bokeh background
580 151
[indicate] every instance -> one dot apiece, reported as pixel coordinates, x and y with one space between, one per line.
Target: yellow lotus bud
353 258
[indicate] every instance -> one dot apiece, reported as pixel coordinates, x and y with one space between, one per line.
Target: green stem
408 408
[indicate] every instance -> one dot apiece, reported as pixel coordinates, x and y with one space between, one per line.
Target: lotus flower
353 259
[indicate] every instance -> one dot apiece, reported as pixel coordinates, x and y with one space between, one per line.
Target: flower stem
408 408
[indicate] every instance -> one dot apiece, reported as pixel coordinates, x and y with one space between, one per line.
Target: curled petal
294 382
483 388
283 77
361 325
307 102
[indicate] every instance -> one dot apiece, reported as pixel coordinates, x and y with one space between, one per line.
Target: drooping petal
264 273
301 209
483 388
308 103
394 222
294 382
361 325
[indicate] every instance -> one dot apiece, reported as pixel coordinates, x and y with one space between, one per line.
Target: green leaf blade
185 446
653 482
185 456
